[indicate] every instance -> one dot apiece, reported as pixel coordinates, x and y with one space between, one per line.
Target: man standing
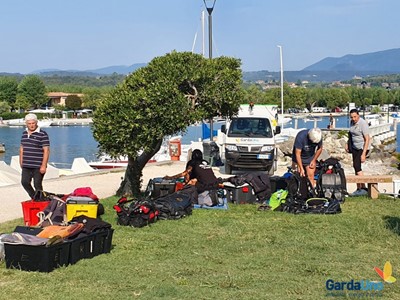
358 146
34 154
307 148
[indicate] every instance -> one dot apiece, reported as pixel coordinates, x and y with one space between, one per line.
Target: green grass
240 253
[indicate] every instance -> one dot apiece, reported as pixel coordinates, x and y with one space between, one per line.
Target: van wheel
228 169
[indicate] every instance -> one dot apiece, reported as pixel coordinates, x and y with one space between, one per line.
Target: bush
12 115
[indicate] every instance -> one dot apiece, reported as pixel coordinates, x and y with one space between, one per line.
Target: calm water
66 143
69 142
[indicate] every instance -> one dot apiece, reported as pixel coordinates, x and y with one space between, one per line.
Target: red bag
84 192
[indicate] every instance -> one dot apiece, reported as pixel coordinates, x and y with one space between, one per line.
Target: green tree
298 97
91 96
8 90
22 103
4 107
34 90
161 99
73 102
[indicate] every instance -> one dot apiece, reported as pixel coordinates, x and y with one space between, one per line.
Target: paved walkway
103 184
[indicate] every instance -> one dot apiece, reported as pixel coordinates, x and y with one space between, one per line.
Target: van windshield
250 127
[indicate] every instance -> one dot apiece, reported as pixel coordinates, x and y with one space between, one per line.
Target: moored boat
106 162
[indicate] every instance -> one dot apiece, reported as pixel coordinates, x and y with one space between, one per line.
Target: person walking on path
307 148
358 145
34 154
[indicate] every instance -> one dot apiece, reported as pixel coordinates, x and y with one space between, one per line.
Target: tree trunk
131 184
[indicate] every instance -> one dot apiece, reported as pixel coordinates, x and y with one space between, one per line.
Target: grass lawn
240 253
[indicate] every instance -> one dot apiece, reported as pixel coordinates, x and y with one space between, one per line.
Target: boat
284 120
374 119
107 162
2 148
311 118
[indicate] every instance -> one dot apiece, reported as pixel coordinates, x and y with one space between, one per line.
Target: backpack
299 190
54 213
321 206
331 183
135 213
277 198
177 205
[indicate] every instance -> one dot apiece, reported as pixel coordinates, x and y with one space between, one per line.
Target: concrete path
103 184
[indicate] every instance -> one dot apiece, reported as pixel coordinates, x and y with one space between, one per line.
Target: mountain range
327 69
338 68
124 70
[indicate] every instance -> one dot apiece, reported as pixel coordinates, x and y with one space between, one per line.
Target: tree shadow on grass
392 223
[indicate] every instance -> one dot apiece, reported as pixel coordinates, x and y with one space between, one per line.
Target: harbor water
69 142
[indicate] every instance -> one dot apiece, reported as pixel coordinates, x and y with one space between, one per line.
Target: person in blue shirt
307 148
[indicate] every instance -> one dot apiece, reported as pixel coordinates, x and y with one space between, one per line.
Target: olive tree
165 97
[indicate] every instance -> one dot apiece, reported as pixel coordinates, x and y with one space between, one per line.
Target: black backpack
320 206
135 213
177 205
299 190
331 183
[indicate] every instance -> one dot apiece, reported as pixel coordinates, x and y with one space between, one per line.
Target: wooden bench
371 181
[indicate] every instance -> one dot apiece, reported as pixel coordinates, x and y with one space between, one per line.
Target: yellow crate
75 209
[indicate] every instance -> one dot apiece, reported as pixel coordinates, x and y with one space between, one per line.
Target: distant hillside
387 61
310 76
327 70
123 70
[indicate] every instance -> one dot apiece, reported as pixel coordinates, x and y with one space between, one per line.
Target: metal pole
388 89
281 64
210 10
202 33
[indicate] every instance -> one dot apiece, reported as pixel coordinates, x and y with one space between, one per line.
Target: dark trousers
26 178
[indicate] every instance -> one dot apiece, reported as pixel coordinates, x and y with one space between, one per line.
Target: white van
248 140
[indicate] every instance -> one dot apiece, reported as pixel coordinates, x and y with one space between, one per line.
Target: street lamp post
210 9
281 65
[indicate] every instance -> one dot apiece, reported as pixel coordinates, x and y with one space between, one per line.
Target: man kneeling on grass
198 173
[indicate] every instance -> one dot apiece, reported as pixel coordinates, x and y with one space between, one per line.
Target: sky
92 34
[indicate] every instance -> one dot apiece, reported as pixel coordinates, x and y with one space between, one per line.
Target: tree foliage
73 102
162 99
8 90
33 90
